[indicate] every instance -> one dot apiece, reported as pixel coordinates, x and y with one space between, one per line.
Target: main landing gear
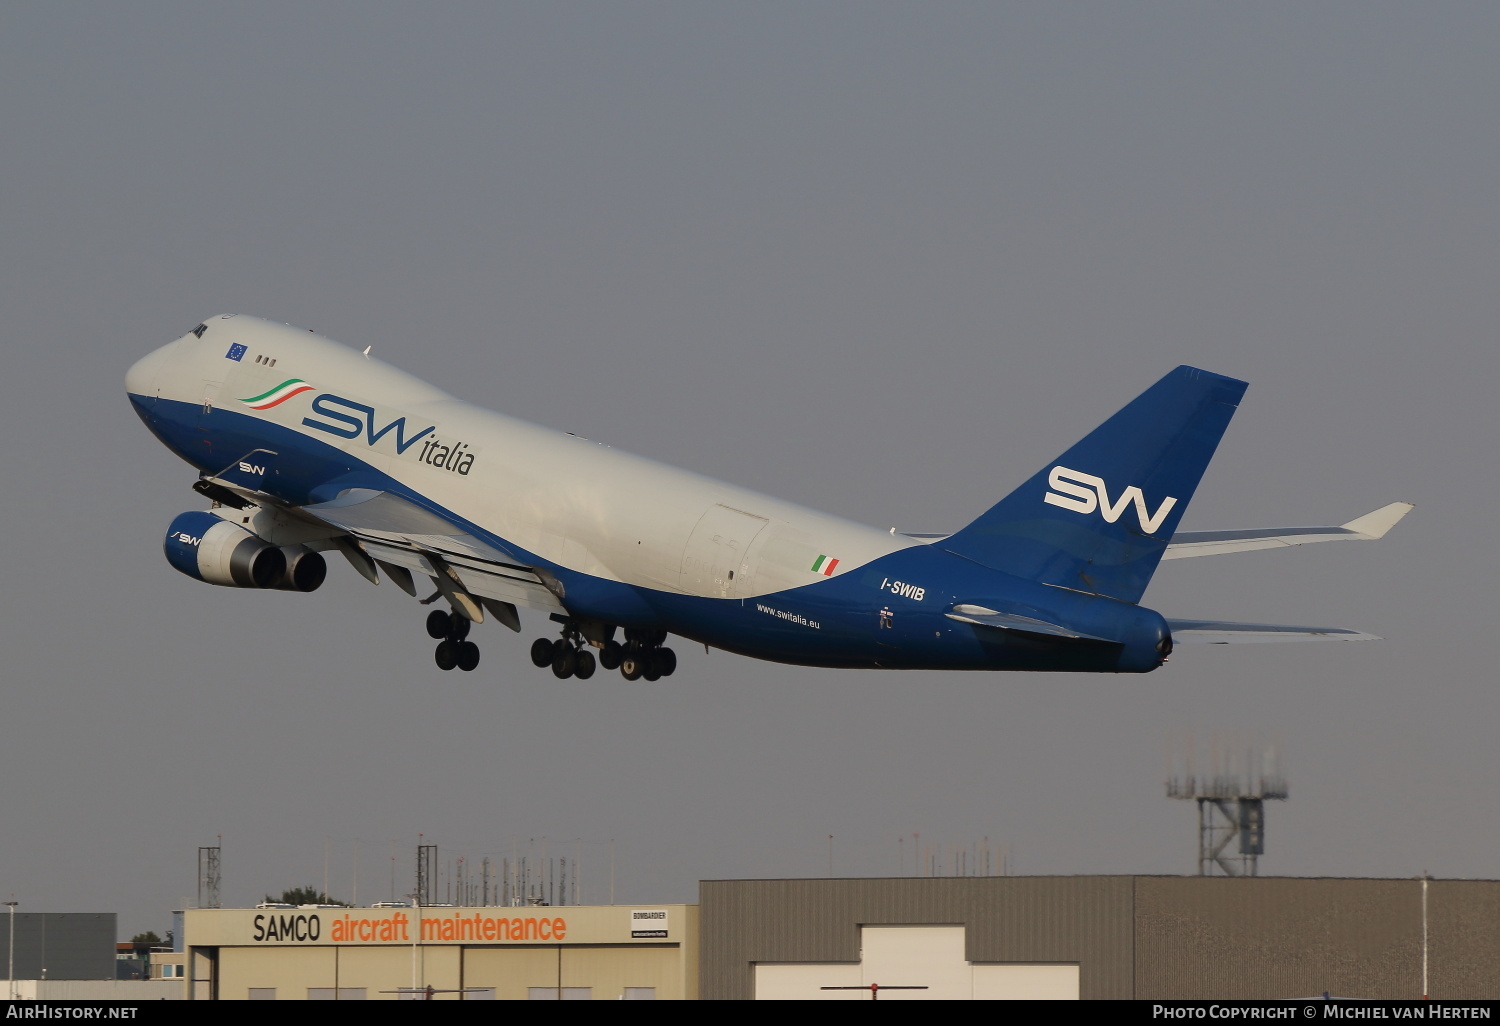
567 656
453 650
642 655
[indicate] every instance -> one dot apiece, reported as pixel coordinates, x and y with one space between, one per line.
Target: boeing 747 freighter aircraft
305 446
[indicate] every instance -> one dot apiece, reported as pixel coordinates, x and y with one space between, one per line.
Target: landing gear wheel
585 668
438 624
446 655
468 655
610 655
459 627
565 663
541 653
652 662
633 665
666 661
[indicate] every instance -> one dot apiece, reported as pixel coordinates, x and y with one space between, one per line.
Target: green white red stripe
278 395
824 565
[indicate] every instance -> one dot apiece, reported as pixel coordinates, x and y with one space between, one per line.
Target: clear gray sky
883 259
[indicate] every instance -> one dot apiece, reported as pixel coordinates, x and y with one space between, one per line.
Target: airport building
72 956
913 938
1121 937
58 945
567 952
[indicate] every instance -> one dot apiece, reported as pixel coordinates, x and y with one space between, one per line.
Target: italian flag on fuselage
824 565
278 395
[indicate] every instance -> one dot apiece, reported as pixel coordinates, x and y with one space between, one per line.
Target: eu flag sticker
235 352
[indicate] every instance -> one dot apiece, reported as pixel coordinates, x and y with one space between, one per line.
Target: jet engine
210 548
305 569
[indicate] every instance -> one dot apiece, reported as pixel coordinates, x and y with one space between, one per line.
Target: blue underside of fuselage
844 621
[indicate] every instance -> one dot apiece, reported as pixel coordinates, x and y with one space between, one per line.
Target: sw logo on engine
1084 493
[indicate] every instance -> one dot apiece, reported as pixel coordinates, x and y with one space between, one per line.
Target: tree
305 896
149 937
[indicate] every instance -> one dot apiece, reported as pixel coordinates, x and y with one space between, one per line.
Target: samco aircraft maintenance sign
648 922
570 924
403 926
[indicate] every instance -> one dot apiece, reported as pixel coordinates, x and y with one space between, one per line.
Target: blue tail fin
1098 518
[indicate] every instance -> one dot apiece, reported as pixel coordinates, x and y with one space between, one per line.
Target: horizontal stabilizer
1211 543
984 617
1222 632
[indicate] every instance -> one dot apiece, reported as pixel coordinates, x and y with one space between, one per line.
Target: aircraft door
714 562
208 401
208 397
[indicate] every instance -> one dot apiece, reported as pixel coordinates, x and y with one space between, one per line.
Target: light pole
416 915
10 971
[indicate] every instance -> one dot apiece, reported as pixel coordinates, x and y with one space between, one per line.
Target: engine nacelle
212 549
305 569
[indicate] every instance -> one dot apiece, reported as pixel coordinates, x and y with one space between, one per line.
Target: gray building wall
1087 920
1271 937
64 945
1133 937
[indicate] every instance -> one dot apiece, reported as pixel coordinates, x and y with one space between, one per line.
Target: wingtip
1375 524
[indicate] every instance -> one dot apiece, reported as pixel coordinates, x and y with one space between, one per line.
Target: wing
396 531
1209 543
371 526
1222 632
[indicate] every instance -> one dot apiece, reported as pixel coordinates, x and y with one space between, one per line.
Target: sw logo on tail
1091 493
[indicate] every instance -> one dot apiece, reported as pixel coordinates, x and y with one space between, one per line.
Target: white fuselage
569 500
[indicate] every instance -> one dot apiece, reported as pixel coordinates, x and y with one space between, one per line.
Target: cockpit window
200 329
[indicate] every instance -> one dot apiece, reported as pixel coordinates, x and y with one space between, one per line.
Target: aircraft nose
140 379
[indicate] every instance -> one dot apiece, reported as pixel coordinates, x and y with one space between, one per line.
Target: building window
640 994
262 993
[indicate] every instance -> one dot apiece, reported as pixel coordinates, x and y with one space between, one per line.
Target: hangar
1098 937
567 952
1121 937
